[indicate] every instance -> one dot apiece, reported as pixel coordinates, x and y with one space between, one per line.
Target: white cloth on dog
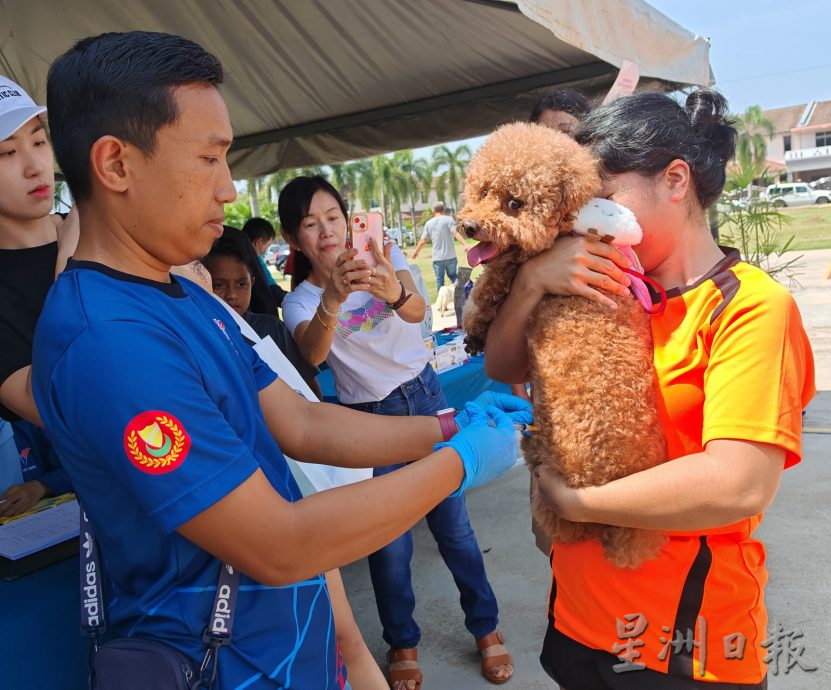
373 351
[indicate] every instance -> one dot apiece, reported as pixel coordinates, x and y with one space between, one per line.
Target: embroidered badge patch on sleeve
156 442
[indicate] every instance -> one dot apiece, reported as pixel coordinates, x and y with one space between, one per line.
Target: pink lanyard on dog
649 307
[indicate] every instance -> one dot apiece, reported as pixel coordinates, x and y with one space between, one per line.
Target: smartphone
362 227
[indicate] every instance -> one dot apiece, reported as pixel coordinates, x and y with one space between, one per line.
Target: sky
762 52
765 53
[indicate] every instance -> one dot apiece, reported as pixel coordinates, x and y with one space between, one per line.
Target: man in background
262 234
441 229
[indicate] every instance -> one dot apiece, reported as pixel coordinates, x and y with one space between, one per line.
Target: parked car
795 194
401 236
277 254
823 183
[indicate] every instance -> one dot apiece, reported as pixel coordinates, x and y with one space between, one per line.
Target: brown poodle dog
595 388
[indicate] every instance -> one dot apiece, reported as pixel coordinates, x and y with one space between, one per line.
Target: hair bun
710 120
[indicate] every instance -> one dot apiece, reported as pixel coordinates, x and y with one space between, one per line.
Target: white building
802 140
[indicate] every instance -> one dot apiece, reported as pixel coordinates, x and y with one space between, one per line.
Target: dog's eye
484 192
514 204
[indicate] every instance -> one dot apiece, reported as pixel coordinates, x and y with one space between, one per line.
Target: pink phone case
364 226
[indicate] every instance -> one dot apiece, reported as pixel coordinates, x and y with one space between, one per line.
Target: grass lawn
810 226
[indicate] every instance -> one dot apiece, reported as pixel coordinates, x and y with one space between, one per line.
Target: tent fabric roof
311 82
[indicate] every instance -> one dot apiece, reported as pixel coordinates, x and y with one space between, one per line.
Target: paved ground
798 594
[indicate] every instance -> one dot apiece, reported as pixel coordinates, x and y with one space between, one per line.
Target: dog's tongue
482 253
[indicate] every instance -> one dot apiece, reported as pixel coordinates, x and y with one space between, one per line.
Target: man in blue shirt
165 418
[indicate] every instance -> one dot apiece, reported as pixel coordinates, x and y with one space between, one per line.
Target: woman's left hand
558 495
383 283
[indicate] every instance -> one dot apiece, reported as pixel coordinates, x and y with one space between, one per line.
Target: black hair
563 100
227 245
119 84
259 229
235 244
293 206
645 132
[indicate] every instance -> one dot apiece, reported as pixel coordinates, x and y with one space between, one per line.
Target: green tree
345 179
384 174
754 132
403 186
311 171
275 182
237 212
62 198
452 165
420 174
366 182
253 188
754 226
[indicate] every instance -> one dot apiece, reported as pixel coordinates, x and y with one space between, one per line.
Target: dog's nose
470 228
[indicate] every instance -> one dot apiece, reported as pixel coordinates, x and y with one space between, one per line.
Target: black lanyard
93 619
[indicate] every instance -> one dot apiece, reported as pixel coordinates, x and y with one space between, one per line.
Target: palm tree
382 165
754 131
62 191
420 173
312 171
252 185
366 182
453 165
346 178
275 182
440 183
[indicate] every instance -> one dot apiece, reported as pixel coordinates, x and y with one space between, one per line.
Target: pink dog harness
639 281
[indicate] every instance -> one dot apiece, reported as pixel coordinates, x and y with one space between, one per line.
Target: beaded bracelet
326 311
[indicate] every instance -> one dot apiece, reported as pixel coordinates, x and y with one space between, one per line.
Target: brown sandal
406 662
494 654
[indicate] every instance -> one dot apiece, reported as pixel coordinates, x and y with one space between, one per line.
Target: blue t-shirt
150 394
268 277
38 459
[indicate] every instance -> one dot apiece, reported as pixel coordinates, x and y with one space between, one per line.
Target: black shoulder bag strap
93 619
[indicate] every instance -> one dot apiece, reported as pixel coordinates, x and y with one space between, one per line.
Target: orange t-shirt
733 362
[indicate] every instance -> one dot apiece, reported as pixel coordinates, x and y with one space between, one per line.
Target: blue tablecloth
41 647
460 385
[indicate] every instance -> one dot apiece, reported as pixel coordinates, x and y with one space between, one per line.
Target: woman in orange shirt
735 370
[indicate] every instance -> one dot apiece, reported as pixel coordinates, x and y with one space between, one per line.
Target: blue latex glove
487 445
520 411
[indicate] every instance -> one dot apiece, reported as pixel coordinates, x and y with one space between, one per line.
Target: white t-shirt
373 350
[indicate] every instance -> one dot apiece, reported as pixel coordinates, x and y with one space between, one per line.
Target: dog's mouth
482 253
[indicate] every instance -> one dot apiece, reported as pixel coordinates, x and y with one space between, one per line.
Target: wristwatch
447 420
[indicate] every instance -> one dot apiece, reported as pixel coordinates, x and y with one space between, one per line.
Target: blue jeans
389 568
440 267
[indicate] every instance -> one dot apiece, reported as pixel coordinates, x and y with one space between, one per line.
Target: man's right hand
487 446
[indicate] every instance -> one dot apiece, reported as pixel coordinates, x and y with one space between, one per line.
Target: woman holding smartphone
364 322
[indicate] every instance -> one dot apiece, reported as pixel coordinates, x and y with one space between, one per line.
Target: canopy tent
311 82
